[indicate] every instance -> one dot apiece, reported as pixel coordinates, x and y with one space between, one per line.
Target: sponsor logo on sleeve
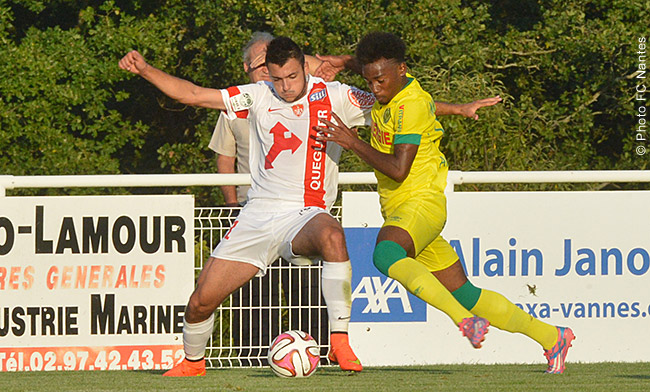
400 119
317 95
361 99
241 102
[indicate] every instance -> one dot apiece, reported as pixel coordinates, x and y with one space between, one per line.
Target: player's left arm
313 65
396 165
331 65
465 109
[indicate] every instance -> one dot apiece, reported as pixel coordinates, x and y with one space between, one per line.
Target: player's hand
133 62
338 133
259 60
469 109
330 66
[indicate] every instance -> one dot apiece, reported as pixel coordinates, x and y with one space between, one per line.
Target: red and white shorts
263 232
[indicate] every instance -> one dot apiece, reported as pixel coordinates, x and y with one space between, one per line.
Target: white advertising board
94 282
577 259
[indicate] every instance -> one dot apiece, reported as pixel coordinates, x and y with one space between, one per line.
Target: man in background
230 137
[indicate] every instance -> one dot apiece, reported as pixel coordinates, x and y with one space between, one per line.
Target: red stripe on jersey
320 106
232 91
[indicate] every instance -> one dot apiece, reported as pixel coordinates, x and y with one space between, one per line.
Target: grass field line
578 377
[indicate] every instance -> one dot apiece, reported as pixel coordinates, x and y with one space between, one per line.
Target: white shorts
263 232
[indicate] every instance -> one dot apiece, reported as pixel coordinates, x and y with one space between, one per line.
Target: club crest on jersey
360 98
298 109
241 102
317 95
386 117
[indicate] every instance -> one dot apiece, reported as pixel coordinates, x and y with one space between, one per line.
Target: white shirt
287 163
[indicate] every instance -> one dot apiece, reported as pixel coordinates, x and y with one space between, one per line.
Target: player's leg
245 250
218 279
507 316
408 229
323 236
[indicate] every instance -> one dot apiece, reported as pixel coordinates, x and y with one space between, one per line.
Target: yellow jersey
409 118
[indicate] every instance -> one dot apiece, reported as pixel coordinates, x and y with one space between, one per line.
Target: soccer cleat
557 355
342 353
187 369
474 328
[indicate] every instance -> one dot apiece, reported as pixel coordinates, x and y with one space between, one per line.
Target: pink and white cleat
557 355
474 328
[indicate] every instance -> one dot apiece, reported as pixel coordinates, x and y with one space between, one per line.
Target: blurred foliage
566 71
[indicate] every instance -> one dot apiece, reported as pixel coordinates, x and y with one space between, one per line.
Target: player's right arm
181 90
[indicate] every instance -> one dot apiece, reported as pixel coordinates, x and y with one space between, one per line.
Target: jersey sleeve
223 140
412 119
239 100
356 106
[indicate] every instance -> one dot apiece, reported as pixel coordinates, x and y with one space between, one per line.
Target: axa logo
377 294
377 298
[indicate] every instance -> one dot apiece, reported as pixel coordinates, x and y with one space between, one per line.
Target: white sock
337 291
196 336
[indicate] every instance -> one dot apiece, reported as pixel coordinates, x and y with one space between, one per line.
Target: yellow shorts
424 217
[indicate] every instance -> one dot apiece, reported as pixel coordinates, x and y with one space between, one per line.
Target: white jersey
287 163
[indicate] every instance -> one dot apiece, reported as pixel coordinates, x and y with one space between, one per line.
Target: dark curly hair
281 49
378 45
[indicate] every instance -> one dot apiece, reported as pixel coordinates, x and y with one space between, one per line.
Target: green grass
578 377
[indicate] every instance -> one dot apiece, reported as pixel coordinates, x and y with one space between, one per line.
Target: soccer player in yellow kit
411 176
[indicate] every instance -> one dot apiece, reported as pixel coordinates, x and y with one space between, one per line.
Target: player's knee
386 254
199 307
332 237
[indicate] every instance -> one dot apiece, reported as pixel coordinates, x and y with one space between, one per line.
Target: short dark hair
378 45
281 49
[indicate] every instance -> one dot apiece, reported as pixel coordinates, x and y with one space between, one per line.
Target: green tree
63 105
565 69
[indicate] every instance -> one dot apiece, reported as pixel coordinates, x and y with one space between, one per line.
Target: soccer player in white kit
294 180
